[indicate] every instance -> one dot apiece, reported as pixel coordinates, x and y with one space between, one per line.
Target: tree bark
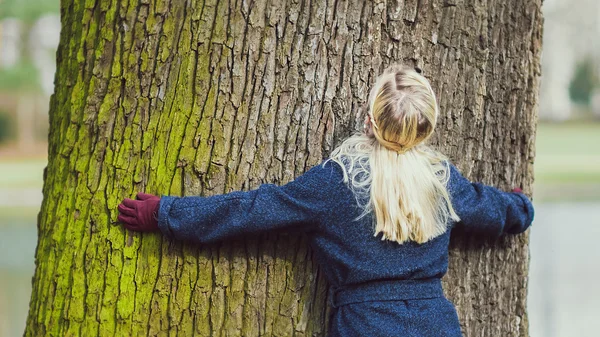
189 97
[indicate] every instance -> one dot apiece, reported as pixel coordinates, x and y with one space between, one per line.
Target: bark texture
186 97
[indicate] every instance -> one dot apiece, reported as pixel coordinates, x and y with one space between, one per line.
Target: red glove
140 215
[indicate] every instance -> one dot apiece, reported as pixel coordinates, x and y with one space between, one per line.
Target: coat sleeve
487 210
296 206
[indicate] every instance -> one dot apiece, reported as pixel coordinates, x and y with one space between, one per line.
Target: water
18 239
564 297
563 293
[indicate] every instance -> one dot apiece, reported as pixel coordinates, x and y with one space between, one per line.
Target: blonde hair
394 174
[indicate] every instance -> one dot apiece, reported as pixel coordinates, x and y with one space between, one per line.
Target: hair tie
391 146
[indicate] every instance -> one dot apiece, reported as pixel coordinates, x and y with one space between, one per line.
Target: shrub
584 81
6 128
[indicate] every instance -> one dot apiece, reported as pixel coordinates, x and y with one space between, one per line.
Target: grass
25 173
20 174
18 216
567 163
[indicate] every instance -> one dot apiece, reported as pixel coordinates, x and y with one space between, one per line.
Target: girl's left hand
141 214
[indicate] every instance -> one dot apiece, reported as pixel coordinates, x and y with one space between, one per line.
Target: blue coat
378 288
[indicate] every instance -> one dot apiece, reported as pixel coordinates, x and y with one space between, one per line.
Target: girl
378 214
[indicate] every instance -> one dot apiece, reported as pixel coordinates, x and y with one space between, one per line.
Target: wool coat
377 288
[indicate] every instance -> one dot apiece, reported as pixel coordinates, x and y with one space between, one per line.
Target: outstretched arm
296 206
487 210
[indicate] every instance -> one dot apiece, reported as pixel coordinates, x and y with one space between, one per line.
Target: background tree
191 97
23 91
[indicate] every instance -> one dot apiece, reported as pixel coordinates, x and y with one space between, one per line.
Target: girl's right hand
140 215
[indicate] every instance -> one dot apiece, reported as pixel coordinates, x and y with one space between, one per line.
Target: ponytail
406 191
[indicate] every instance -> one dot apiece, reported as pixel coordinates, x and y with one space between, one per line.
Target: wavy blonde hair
393 173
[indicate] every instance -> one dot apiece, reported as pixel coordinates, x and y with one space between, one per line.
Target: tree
189 97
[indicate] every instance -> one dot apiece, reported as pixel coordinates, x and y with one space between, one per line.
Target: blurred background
564 299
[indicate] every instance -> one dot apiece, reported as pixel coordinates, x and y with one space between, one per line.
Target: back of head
393 173
402 108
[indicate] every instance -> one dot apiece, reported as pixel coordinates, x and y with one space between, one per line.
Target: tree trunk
189 97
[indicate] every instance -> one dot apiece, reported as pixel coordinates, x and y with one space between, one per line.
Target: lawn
19 177
21 173
567 162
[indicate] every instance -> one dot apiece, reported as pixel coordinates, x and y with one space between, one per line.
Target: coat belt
385 290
